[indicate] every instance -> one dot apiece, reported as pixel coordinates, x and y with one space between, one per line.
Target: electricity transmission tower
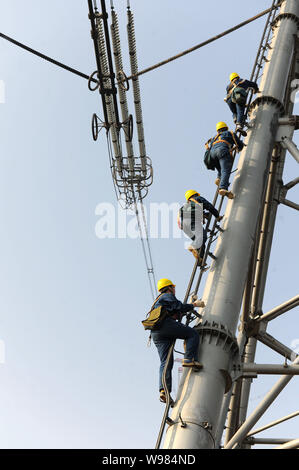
218 395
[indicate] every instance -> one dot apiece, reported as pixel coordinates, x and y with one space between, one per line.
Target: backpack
154 317
209 160
239 96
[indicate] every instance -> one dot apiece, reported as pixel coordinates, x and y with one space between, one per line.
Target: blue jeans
163 338
225 163
237 110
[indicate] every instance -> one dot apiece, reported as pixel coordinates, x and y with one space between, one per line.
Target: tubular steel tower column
195 418
256 326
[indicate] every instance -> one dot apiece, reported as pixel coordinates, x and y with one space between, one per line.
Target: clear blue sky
77 371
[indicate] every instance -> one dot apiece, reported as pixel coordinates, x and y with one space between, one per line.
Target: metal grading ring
123 80
91 79
95 126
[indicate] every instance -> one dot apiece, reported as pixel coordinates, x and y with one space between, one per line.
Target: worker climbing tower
236 280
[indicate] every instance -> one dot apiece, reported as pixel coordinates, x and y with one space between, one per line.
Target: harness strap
234 139
156 300
234 86
218 139
194 200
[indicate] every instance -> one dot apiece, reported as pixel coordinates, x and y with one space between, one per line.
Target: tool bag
209 160
154 317
239 96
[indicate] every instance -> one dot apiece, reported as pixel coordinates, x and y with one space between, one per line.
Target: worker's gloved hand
199 303
220 218
193 298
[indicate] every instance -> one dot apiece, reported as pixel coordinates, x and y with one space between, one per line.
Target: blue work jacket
242 84
224 139
174 307
206 205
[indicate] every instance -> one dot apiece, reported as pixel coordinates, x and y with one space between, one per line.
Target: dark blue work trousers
163 338
224 166
237 110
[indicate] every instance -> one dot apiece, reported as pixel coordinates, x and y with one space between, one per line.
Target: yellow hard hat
164 283
233 76
221 125
190 193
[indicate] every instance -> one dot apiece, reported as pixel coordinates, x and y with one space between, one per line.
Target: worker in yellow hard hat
221 149
236 97
171 329
191 220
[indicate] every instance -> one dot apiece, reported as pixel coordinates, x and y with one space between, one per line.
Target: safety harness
194 200
218 139
233 86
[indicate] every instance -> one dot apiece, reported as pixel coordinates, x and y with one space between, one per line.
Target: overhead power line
45 57
202 44
148 69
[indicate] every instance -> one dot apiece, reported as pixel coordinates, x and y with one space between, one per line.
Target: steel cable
47 58
202 44
148 69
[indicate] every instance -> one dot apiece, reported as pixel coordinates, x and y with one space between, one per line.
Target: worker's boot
225 192
163 397
217 181
193 251
239 128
